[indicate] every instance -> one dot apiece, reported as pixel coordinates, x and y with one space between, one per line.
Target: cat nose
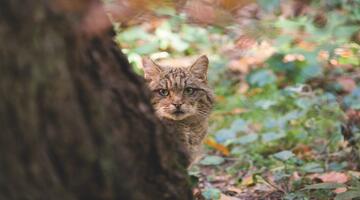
177 105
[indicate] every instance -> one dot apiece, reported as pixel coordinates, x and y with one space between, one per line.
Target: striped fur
170 88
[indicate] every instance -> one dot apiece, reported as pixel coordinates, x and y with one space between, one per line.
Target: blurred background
286 74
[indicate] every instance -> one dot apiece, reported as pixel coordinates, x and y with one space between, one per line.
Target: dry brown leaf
245 42
234 190
241 65
296 176
340 190
355 174
347 83
244 87
346 53
234 4
308 46
225 197
302 150
200 13
255 127
333 177
254 92
248 180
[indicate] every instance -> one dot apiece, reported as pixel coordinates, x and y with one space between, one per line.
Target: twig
272 185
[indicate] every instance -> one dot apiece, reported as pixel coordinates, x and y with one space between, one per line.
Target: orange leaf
238 110
302 149
254 92
212 143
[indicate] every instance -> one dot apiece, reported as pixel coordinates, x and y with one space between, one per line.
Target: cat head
179 93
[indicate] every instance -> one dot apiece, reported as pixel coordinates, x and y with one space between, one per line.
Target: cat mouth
178 112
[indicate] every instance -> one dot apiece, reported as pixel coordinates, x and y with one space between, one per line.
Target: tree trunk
75 121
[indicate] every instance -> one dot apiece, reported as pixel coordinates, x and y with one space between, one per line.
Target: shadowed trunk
75 121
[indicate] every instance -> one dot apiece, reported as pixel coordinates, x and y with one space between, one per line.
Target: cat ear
151 69
199 68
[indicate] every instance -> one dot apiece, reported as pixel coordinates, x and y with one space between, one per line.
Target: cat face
179 93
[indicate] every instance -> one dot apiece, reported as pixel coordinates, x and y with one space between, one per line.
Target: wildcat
182 100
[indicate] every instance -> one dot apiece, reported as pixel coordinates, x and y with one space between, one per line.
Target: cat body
182 100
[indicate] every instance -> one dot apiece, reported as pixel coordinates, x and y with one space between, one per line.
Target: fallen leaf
225 197
241 66
293 57
323 55
221 148
340 190
333 177
352 194
238 110
254 92
220 99
323 186
301 149
308 46
212 160
296 176
244 87
211 193
245 42
347 84
255 127
248 180
284 155
231 5
234 190
355 174
346 53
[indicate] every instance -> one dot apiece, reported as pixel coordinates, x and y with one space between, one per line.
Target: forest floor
286 124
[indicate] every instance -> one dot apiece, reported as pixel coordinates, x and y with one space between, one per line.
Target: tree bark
75 121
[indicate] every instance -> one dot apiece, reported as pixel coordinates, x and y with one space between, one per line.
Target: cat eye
163 92
189 91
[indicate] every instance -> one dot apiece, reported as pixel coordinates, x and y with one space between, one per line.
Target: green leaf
353 100
312 168
132 34
211 194
269 5
239 125
345 31
261 78
352 194
324 186
212 160
268 137
284 155
265 104
238 151
224 134
335 166
246 139
178 44
194 171
147 48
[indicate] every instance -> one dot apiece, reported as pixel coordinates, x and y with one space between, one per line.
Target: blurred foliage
286 76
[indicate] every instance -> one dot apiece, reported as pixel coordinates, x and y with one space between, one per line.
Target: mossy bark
75 121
